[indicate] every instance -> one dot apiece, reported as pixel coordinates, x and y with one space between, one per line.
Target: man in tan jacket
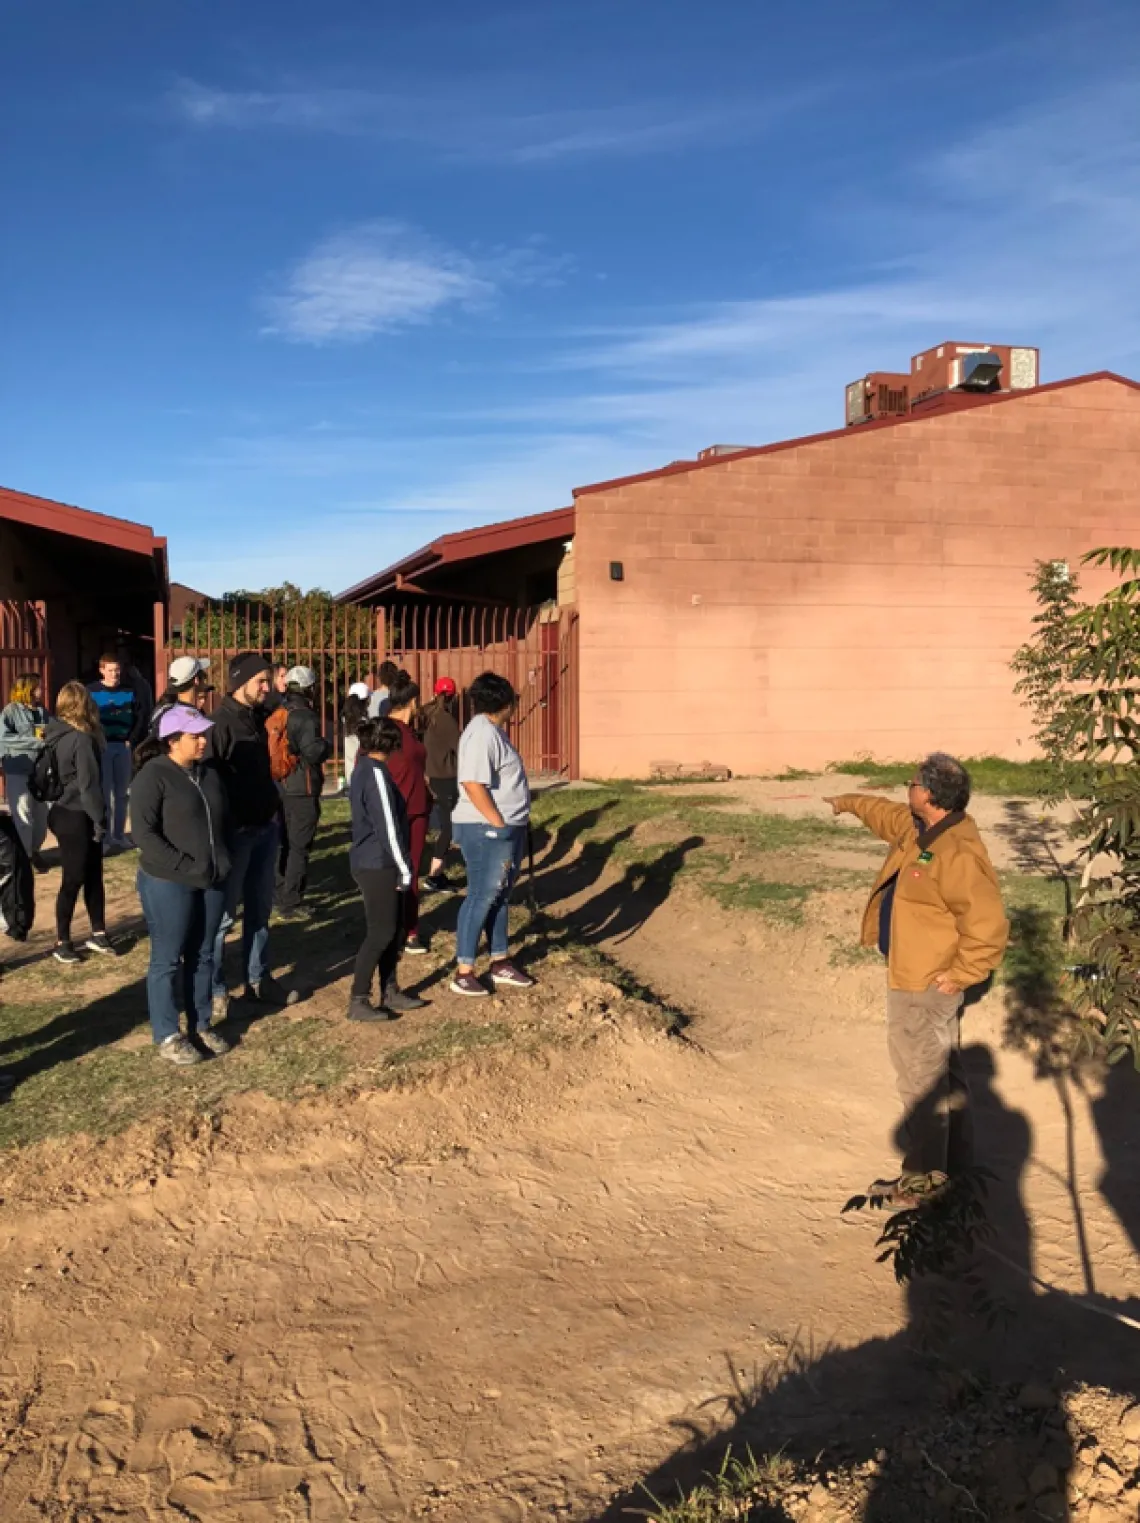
936 915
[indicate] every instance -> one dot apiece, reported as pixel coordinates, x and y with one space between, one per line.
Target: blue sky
304 286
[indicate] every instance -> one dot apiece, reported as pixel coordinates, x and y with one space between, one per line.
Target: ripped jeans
493 859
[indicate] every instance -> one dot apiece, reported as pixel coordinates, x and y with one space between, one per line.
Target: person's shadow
961 1414
619 911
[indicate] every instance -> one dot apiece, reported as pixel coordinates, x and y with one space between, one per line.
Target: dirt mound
551 1266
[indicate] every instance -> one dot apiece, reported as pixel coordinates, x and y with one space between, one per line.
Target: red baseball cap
445 687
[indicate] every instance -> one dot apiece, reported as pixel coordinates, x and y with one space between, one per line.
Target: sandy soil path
506 1296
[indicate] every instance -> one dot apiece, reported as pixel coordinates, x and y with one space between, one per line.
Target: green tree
291 626
1099 728
1043 667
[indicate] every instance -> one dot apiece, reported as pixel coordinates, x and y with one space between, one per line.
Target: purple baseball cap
181 720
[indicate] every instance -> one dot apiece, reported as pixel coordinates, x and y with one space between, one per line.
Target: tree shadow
1116 1115
960 1415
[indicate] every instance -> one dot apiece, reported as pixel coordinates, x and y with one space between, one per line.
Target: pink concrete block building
860 591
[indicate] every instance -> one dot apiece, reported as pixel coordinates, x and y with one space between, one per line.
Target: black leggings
82 858
380 948
446 792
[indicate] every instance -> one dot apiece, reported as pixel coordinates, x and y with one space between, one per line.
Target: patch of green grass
793 775
779 901
73 1080
747 1490
448 1040
1029 891
989 774
851 954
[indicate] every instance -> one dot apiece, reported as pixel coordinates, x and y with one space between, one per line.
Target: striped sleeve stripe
390 824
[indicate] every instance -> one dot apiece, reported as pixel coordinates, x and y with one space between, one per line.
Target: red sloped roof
959 402
468 545
61 518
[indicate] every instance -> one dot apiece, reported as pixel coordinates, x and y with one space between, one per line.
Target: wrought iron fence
535 648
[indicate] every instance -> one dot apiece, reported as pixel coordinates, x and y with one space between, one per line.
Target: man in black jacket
238 745
300 790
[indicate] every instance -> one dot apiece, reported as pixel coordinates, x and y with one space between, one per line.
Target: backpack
44 783
283 760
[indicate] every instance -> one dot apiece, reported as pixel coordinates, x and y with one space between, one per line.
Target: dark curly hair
491 694
402 690
380 737
946 780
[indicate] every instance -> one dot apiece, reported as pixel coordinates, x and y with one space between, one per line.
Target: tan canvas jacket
947 915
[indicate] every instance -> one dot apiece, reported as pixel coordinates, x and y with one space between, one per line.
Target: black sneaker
399 1001
361 1009
269 992
436 883
99 943
414 947
65 953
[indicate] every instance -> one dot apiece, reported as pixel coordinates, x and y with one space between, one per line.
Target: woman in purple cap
178 821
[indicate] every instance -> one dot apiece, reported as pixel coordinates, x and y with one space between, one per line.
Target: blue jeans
182 922
116 777
253 871
493 859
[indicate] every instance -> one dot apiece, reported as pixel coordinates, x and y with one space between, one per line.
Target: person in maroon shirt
407 768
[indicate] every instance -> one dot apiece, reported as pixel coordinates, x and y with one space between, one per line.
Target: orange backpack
283 761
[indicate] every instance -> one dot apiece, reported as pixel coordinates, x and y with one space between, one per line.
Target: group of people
224 809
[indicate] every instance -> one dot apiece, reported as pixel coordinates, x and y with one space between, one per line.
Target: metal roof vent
980 371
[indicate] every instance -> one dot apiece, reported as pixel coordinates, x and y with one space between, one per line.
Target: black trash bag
17 883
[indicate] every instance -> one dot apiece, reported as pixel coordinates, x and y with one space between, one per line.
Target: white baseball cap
300 676
183 671
360 690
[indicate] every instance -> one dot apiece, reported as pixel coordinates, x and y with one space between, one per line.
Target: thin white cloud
479 125
385 275
1026 232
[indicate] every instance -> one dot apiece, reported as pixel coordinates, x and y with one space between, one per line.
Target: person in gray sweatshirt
22 723
77 819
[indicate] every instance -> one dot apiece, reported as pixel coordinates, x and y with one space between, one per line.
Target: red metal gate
23 645
535 648
23 648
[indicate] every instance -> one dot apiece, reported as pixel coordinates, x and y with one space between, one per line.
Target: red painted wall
860 593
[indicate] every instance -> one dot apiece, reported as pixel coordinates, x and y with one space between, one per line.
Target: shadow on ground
983 1371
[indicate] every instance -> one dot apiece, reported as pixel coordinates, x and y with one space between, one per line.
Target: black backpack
45 784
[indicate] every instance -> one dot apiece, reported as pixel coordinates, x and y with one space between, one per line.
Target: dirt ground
512 1291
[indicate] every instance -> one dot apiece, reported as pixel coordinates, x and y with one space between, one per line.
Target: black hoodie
80 770
178 821
239 746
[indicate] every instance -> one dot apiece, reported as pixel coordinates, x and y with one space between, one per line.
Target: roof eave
682 467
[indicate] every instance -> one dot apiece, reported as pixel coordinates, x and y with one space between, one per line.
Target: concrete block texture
855 594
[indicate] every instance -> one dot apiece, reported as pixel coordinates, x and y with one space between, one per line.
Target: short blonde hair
24 686
76 707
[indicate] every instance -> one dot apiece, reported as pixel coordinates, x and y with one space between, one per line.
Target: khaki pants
923 1031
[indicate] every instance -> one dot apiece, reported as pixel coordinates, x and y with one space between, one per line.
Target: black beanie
244 667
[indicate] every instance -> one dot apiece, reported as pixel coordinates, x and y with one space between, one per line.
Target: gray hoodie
19 744
79 770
